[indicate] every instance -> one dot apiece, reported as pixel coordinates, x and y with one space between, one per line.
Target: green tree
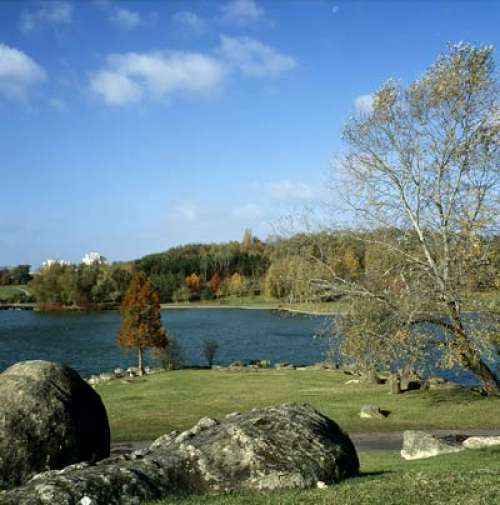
141 319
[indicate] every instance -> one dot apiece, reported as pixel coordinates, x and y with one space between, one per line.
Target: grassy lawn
468 478
261 302
6 292
159 403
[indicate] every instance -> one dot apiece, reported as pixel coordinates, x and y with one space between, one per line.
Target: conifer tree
141 319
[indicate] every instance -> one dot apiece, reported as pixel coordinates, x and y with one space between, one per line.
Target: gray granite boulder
288 446
371 412
420 444
49 418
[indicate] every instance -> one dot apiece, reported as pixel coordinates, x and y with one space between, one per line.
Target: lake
87 341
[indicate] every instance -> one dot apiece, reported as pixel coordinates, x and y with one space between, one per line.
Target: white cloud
58 104
288 190
116 88
242 11
187 211
188 21
18 73
130 77
335 9
364 104
247 211
48 13
254 58
126 19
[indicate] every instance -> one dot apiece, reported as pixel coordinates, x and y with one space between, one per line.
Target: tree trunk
141 361
488 379
470 358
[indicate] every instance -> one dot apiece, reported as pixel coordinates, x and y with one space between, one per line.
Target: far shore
182 306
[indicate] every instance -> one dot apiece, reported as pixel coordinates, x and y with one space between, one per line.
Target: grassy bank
469 478
149 407
9 293
260 302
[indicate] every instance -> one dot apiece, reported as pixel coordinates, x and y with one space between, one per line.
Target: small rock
480 442
371 412
321 485
420 445
353 381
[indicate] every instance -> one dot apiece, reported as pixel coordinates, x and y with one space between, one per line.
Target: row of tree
85 286
19 274
295 270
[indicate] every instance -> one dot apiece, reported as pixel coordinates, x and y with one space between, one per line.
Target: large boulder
420 444
49 418
288 446
481 442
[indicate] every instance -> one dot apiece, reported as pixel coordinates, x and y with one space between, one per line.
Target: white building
92 258
48 263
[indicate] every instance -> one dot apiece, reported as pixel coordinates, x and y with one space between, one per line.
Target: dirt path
373 441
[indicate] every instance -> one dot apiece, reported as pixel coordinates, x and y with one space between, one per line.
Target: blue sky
129 127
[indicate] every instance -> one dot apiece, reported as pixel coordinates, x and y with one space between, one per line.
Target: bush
209 350
171 357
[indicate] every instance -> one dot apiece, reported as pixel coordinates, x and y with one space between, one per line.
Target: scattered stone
480 442
371 412
371 377
420 444
321 485
447 386
435 379
50 418
411 381
284 447
353 381
394 384
284 366
119 372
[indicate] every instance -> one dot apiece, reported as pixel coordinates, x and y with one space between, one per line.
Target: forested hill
296 269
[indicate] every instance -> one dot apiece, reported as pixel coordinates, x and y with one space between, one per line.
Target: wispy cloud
248 211
254 58
53 12
125 18
290 191
18 73
188 211
57 104
131 77
335 9
242 11
187 21
364 104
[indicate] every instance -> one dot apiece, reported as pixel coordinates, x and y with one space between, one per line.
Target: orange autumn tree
141 319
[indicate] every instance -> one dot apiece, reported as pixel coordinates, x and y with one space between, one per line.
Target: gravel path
373 441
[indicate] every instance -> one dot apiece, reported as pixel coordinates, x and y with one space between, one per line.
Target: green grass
7 292
159 403
262 302
468 478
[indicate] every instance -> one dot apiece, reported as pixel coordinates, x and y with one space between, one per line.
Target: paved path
373 441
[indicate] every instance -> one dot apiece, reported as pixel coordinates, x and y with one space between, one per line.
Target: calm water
87 341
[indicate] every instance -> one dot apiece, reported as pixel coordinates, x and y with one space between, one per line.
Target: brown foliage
141 318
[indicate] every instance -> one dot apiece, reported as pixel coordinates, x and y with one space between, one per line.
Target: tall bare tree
423 169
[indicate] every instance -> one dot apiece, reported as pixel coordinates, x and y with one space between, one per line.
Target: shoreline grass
156 404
